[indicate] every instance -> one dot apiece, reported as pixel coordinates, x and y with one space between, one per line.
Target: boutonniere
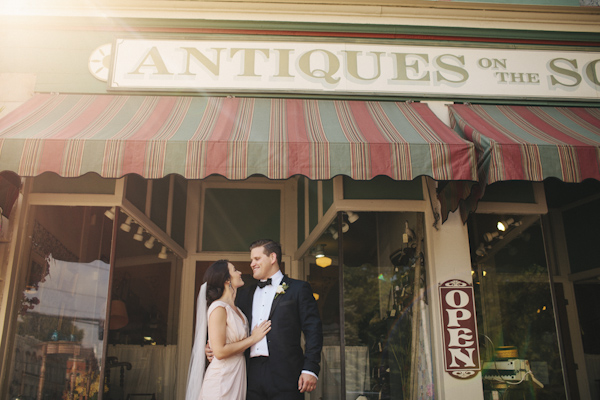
281 289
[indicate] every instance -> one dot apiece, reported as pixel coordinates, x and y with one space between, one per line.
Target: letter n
466 359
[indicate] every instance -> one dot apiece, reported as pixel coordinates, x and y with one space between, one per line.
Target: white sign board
352 68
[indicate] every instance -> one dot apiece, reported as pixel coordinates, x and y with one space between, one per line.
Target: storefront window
61 350
58 348
386 352
142 339
516 318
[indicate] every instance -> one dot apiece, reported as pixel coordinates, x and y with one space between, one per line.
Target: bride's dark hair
215 277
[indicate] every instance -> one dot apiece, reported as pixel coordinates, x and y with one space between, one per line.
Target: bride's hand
261 330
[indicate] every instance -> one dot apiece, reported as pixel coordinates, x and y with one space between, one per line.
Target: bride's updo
215 277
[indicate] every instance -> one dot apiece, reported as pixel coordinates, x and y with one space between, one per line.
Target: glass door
372 296
515 309
59 344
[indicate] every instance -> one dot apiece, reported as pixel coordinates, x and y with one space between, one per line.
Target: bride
225 377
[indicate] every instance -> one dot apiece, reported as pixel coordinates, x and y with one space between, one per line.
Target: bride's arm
217 331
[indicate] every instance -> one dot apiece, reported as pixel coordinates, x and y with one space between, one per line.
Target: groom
277 367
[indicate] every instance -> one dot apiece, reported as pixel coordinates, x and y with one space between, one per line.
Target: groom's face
263 266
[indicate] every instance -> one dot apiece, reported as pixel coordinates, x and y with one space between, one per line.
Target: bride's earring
230 285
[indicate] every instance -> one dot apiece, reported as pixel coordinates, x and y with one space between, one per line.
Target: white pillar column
448 258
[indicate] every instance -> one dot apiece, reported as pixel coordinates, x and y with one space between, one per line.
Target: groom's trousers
261 385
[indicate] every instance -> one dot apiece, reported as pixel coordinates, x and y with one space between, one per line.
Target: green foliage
361 303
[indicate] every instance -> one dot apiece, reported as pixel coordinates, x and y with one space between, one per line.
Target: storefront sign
352 68
459 324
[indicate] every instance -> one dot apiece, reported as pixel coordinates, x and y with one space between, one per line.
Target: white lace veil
198 359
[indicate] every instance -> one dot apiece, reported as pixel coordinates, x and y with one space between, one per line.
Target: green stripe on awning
531 143
195 137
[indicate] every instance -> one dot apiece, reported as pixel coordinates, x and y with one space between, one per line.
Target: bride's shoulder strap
216 304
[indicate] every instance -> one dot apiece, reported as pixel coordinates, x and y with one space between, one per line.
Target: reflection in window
59 341
325 284
142 338
387 348
515 313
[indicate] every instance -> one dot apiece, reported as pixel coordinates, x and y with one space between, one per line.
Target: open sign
459 327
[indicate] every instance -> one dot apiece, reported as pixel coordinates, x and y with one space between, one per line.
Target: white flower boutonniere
281 289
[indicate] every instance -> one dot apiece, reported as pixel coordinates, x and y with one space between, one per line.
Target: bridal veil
198 359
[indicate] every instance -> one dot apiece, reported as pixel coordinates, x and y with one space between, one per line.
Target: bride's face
236 276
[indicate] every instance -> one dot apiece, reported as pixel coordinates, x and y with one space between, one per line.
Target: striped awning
531 143
154 136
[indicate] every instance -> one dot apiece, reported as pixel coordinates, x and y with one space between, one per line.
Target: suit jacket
292 313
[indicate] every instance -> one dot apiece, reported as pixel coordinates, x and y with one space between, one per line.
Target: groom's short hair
269 246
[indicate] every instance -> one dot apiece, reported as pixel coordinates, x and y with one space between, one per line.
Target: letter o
463 299
484 62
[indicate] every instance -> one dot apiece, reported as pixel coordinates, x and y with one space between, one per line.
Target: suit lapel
250 302
277 299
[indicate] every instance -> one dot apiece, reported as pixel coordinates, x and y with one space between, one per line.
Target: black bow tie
262 284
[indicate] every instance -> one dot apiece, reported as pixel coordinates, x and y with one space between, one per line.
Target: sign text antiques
352 68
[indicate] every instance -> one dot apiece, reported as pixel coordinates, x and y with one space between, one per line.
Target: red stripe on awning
155 136
219 141
379 149
298 151
531 143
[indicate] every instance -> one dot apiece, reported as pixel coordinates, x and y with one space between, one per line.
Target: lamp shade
118 315
333 232
110 214
503 225
323 262
352 217
150 242
163 253
489 236
139 236
126 226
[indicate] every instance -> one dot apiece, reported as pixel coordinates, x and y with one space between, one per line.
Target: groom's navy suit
292 313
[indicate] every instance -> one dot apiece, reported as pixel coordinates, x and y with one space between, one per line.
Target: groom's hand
307 383
209 353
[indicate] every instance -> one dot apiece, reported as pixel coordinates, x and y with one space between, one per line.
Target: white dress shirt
261 308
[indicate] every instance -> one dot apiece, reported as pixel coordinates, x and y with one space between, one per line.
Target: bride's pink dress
226 379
